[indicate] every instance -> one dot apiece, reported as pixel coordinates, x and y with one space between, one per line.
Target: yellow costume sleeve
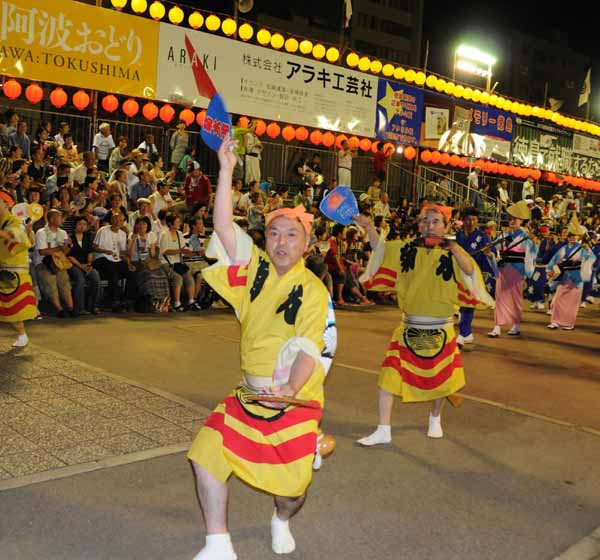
471 290
383 268
229 277
19 242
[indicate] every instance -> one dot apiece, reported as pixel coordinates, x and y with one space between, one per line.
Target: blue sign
399 112
217 123
340 205
489 121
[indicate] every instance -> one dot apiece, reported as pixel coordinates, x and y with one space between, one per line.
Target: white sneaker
552 326
435 427
21 342
541 306
460 341
514 331
469 339
567 328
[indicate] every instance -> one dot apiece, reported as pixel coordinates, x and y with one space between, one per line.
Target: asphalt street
514 477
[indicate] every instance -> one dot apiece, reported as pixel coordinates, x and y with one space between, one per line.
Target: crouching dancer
432 277
283 310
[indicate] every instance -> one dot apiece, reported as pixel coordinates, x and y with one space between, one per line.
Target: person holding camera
172 247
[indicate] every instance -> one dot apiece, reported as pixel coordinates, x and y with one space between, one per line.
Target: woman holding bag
172 246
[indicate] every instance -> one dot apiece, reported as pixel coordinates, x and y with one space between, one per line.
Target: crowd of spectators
120 232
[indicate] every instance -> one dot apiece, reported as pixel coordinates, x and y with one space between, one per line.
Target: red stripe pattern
424 383
13 310
423 363
27 287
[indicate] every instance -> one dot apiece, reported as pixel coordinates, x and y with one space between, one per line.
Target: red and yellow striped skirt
422 363
17 299
272 450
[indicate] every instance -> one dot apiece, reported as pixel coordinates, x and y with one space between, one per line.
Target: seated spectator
374 191
111 260
196 187
151 281
13 154
80 172
84 277
63 129
39 169
335 264
256 219
119 184
20 138
118 154
195 260
68 153
42 141
51 244
172 247
156 172
244 202
141 189
303 197
115 206
236 196
160 225
382 207
148 146
161 199
144 209
315 259
353 268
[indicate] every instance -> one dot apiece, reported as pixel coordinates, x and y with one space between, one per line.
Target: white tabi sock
435 427
383 434
21 341
217 547
282 540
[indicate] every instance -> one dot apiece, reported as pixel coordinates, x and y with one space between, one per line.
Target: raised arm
366 223
223 210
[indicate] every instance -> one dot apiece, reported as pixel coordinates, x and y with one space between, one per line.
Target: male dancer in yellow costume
17 299
432 277
283 309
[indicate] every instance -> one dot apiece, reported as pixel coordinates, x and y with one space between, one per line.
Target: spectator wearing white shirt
144 209
473 178
103 145
382 207
196 241
148 145
161 199
59 137
54 282
80 172
117 155
112 259
528 188
172 247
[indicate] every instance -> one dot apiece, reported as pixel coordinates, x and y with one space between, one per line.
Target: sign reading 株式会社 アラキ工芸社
74 44
266 83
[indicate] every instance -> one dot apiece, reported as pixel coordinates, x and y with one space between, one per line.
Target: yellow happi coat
423 361
17 299
270 449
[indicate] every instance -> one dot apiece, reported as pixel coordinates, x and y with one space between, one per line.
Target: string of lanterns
496 168
277 41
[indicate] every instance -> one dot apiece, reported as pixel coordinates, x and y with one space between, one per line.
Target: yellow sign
70 43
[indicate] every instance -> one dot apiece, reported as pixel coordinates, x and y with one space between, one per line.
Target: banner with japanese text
266 83
399 112
73 44
552 149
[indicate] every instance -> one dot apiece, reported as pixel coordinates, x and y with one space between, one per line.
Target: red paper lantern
261 127
81 100
387 146
131 107
244 122
487 167
58 97
166 113
502 169
328 139
187 116
375 146
426 156
479 163
200 118
301 134
445 159
12 89
315 137
435 157
288 133
339 139
463 163
409 152
34 93
273 130
150 111
365 144
494 167
110 103
353 143
454 160
537 174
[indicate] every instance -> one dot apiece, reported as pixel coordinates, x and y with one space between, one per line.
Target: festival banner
551 149
586 145
73 44
399 112
266 83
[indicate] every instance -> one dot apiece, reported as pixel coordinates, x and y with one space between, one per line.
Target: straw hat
575 228
519 210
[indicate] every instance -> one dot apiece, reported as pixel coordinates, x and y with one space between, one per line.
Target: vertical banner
399 112
74 44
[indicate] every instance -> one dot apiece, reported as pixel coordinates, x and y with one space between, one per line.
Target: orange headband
7 198
298 213
446 211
